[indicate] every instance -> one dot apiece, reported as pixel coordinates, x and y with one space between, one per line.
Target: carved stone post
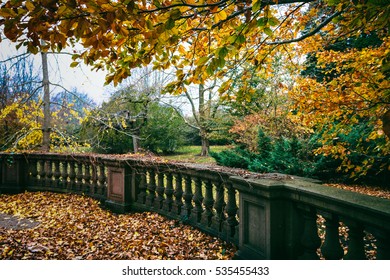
141 186
208 204
34 173
262 213
42 173
13 174
64 174
331 249
102 179
219 205
87 178
167 206
382 243
178 193
79 176
119 192
158 203
72 176
57 174
355 241
94 179
151 186
310 239
198 199
231 211
49 173
187 207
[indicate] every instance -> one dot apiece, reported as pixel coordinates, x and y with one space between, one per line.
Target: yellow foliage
358 92
27 127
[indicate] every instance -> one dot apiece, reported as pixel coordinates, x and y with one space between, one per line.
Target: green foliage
237 157
295 156
360 149
113 142
164 131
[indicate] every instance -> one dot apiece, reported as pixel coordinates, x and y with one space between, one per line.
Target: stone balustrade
270 216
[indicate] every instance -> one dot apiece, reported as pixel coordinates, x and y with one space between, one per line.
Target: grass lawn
191 154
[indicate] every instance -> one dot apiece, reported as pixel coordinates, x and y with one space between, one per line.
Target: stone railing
269 216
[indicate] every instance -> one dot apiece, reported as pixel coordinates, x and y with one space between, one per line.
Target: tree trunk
46 105
202 123
205 144
136 141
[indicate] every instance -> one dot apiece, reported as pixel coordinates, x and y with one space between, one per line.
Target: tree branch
180 115
23 55
311 33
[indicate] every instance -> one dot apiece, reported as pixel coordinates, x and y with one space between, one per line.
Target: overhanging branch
311 33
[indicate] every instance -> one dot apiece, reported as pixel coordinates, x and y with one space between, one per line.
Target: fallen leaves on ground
368 190
76 227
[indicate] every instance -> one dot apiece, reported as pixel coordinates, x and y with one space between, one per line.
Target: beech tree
206 40
347 91
202 38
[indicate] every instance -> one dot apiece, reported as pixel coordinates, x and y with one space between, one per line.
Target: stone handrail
269 216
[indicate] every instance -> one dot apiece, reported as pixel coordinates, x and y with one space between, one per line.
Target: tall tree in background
213 36
205 41
344 95
46 125
20 87
22 118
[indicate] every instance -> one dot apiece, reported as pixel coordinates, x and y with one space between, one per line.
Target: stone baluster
151 186
231 211
79 176
102 179
49 174
382 243
141 196
34 172
198 199
72 176
178 193
167 206
87 178
219 206
57 174
158 203
187 207
94 179
310 240
208 203
64 174
42 173
331 249
355 241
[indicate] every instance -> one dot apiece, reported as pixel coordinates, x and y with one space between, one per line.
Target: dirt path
14 222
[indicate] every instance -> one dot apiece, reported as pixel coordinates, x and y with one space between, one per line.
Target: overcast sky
81 77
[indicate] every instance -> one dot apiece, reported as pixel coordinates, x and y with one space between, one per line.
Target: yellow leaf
222 15
30 6
74 64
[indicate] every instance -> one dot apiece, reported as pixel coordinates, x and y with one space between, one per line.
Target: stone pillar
119 192
262 220
13 174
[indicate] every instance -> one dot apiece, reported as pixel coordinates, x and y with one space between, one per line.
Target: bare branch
19 56
180 115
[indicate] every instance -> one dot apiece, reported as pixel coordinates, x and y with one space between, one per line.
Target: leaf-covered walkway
68 226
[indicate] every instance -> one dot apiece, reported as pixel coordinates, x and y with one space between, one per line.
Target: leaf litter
70 226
